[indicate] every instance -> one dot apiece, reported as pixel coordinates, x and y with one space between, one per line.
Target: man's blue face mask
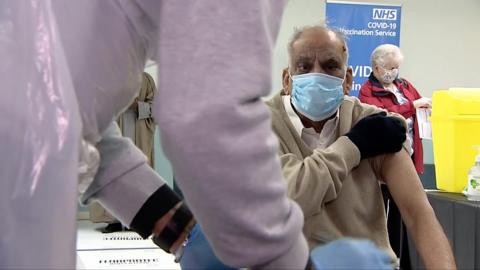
316 95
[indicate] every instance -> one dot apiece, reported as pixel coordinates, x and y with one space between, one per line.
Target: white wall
439 38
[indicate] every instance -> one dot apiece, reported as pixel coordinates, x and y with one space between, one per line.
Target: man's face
316 51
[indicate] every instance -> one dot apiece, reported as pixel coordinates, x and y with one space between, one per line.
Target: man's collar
292 115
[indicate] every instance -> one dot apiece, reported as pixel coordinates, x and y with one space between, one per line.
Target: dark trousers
397 232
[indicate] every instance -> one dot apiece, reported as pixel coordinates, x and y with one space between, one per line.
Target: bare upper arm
398 172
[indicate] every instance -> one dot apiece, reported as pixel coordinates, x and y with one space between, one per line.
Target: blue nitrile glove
350 253
198 254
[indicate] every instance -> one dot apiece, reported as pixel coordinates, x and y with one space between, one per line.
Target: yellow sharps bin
455 130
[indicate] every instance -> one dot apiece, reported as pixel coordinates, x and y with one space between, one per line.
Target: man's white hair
385 52
298 31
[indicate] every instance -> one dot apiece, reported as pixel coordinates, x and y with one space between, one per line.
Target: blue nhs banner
366 26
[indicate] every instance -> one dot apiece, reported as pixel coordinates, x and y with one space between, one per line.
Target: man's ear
286 83
348 82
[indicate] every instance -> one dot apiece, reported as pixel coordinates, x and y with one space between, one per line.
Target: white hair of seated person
385 52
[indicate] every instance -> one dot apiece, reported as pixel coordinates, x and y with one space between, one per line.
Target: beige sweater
339 194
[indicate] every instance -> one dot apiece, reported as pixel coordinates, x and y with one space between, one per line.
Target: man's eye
302 68
333 67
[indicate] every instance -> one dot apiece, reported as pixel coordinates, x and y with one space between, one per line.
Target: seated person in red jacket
385 89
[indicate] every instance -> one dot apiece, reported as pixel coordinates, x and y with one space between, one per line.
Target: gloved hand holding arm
378 134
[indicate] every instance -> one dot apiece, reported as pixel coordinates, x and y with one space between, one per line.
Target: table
119 250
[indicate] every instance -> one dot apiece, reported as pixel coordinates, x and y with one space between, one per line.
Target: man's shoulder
355 101
353 110
270 102
275 105
350 99
352 105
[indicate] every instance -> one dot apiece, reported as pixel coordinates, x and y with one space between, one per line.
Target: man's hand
378 134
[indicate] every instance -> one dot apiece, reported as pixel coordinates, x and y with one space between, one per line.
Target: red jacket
372 92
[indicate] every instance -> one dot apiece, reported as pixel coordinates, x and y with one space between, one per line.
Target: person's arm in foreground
134 193
214 67
407 191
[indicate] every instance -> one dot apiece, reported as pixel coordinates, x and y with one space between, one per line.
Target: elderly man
315 122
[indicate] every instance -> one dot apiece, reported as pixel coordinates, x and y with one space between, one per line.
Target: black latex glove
378 134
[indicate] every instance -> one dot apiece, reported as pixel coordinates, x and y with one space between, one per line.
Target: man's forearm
332 165
404 184
431 242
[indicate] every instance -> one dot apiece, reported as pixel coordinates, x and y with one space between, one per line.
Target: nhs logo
384 14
